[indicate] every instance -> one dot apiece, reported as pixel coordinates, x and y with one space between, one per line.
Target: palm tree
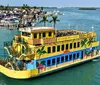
1 7
40 52
87 42
84 42
90 41
54 20
25 6
44 20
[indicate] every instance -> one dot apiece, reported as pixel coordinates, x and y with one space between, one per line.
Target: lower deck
23 74
67 64
67 57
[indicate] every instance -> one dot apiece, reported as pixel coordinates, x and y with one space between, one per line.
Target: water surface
85 74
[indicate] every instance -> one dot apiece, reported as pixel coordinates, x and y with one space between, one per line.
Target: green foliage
41 8
83 42
25 6
90 41
43 62
44 20
1 7
88 52
41 51
54 20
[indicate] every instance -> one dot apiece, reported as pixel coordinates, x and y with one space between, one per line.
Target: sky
53 3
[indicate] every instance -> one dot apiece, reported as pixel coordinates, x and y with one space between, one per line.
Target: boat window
44 34
26 34
50 33
49 50
77 55
35 35
62 47
75 45
58 48
78 44
70 57
66 58
74 56
82 55
53 49
23 33
70 45
53 61
58 60
66 46
62 59
48 62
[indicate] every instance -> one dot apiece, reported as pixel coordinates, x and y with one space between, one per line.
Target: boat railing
41 41
87 35
10 49
64 38
7 46
20 40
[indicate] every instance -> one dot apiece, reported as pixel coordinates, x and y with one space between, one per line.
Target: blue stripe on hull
58 59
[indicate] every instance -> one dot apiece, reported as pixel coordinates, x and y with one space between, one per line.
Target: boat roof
36 29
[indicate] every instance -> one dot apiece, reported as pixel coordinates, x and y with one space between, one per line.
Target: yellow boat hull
18 74
25 74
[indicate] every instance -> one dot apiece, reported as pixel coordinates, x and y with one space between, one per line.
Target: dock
2 24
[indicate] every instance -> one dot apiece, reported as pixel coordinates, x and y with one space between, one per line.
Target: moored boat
41 50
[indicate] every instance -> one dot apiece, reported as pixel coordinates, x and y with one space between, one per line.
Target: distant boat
11 29
58 13
10 19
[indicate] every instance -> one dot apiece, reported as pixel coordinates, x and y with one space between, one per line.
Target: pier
9 25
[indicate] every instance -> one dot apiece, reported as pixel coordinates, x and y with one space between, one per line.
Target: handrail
21 56
8 51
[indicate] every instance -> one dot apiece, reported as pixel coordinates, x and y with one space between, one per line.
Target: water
85 74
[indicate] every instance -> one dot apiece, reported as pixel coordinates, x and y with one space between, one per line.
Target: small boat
58 13
37 51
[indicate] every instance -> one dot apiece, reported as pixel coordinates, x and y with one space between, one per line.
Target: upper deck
47 35
34 38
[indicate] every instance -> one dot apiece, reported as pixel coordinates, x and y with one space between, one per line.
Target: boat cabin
38 35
